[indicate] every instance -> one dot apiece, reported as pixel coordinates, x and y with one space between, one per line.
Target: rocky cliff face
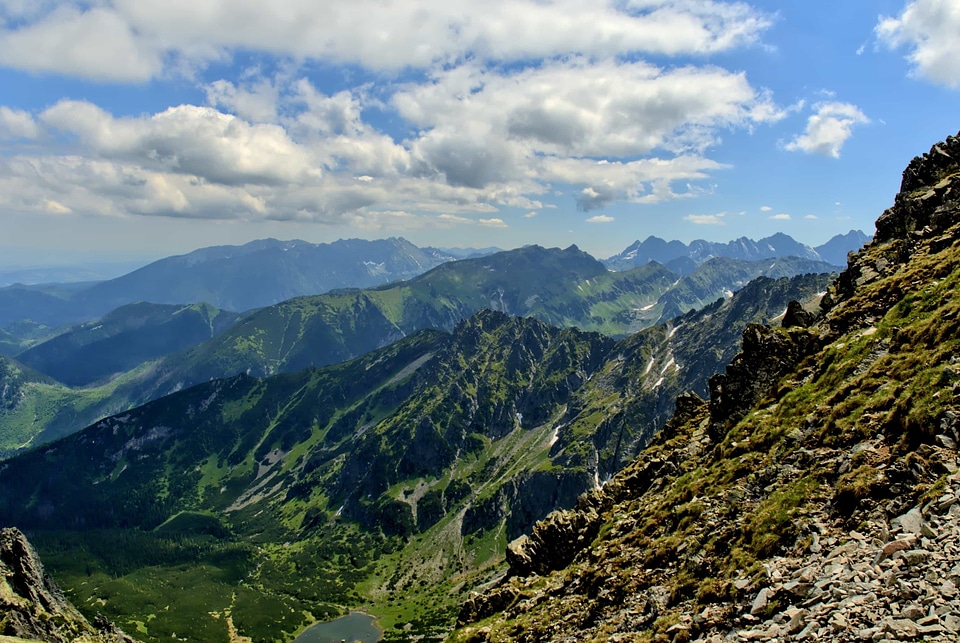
32 606
815 497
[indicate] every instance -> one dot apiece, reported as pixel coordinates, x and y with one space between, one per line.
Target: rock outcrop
33 607
814 498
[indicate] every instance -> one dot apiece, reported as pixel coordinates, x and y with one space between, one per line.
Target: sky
137 129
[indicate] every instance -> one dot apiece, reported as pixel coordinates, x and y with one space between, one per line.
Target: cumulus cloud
17 124
707 219
928 30
190 140
585 108
255 102
132 40
492 223
780 217
811 217
600 218
98 43
828 129
766 208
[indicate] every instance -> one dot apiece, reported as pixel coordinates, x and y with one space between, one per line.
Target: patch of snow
649 306
672 362
659 382
555 435
728 294
649 365
674 331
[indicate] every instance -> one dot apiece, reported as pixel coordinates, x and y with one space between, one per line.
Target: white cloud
132 40
56 208
17 124
766 208
828 129
100 44
518 98
529 215
256 102
585 108
780 217
929 30
707 219
600 218
189 140
811 217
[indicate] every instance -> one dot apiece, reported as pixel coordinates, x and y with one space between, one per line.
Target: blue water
355 627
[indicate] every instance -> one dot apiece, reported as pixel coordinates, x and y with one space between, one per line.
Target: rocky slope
32 606
814 497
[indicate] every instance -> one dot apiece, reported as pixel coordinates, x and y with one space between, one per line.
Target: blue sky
139 128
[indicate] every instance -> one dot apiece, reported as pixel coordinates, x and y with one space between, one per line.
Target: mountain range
684 258
289 485
427 455
236 278
148 351
266 272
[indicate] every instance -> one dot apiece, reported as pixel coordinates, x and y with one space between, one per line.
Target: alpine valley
516 447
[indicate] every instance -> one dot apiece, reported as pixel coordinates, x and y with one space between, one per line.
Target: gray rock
914 556
912 612
901 628
951 622
762 601
909 522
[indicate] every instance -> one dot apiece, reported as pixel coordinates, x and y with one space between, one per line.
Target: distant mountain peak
685 258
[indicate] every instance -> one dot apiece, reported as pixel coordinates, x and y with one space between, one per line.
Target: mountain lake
355 627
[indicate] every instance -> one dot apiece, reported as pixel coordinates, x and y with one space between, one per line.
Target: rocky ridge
32 606
813 498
